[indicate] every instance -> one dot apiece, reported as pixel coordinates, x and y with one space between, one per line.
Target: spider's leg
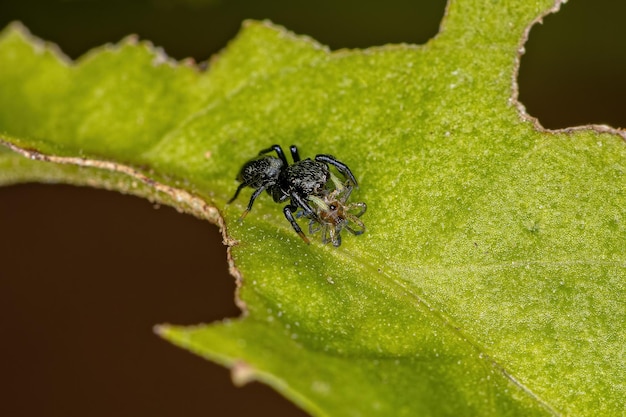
333 236
336 239
256 193
314 227
308 211
279 152
241 186
325 232
288 210
361 206
341 167
294 153
361 226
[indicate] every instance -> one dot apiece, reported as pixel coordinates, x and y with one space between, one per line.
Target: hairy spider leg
314 226
354 218
294 153
341 167
335 237
241 186
256 193
279 152
356 221
331 234
288 210
362 206
308 211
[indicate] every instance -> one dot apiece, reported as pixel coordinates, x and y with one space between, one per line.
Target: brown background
85 274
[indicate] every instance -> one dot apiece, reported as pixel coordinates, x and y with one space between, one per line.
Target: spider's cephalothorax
333 214
297 183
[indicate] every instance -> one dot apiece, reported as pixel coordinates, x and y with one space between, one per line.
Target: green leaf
491 278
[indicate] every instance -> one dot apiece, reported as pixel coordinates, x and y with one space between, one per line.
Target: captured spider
333 215
301 182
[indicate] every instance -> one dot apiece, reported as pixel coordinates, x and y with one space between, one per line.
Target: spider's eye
333 207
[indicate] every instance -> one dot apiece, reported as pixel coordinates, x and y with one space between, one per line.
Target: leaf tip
15 26
160 329
242 373
18 32
282 32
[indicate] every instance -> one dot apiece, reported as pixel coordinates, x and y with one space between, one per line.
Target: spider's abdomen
260 172
305 178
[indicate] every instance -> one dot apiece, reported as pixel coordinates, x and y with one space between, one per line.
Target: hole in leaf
573 70
85 274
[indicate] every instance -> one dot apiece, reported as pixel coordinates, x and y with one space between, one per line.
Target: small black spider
298 182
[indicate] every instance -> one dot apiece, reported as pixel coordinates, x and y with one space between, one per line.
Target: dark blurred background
85 274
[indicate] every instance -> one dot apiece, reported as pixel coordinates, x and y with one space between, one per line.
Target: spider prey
300 183
333 215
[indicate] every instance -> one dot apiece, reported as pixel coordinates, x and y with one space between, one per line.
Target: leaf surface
491 278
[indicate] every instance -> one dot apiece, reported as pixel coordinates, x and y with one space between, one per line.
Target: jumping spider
300 183
334 215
